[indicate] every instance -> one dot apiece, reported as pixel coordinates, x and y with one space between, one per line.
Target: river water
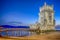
17 33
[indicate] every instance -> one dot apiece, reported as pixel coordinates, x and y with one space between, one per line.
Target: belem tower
46 19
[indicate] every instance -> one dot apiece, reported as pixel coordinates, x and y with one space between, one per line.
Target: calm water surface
17 33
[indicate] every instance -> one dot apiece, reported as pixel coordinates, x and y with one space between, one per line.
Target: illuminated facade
46 19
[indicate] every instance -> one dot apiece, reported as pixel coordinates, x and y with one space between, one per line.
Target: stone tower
46 17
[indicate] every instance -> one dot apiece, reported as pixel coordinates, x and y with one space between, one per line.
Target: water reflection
17 33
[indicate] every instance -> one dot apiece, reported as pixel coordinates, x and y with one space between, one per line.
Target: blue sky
25 11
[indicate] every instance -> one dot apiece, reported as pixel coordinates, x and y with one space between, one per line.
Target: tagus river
17 33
